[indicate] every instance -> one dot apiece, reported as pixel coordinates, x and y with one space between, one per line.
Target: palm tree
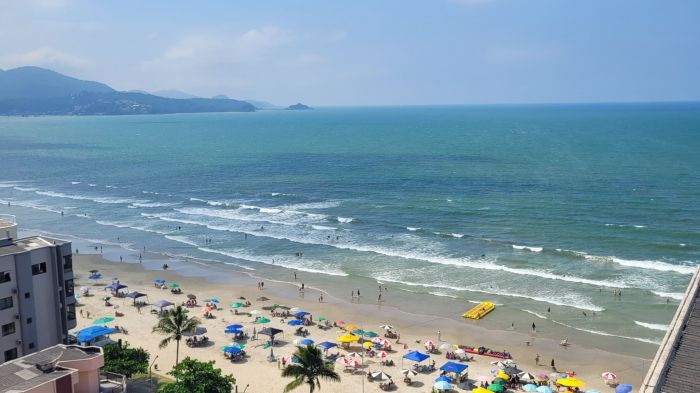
174 323
310 369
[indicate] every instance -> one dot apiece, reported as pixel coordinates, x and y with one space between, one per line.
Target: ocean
546 210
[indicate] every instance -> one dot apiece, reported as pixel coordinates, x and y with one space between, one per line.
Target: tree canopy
121 359
193 376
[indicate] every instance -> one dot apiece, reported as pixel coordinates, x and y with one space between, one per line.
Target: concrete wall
7 263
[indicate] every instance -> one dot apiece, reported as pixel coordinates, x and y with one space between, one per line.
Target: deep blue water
533 207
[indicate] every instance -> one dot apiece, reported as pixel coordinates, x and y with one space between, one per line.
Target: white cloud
46 57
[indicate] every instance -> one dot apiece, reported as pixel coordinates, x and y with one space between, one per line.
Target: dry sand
263 376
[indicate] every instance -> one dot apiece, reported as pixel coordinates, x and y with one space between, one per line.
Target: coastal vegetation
174 324
193 376
121 359
310 369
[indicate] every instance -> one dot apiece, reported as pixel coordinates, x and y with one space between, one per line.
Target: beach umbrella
320 319
381 376
530 387
236 305
262 320
555 376
350 328
95 276
341 360
368 344
340 322
429 344
232 331
353 363
483 378
213 300
460 351
499 364
382 354
354 355
234 326
103 320
541 376
162 304
409 373
358 332
206 309
304 341
502 375
369 334
347 338
526 377
416 356
494 387
381 341
609 376
255 312
295 322
624 388
198 331
572 382
294 310
232 350
159 281
270 331
445 346
386 327
442 385
443 378
173 285
191 296
326 345
499 381
262 299
544 389
508 362
481 390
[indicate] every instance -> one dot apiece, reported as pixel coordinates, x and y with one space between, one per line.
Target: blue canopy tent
443 378
305 341
452 367
159 281
295 322
232 350
416 356
90 333
135 295
115 287
326 345
95 276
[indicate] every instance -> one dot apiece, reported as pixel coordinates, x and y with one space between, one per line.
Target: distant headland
298 107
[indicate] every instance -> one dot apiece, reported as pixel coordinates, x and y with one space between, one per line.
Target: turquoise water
532 207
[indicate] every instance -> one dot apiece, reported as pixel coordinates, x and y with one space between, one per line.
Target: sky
368 52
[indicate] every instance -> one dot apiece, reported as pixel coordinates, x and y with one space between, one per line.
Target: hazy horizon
446 52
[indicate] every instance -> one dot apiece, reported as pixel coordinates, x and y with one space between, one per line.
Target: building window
11 354
8 328
5 277
38 268
70 312
31 345
27 295
68 263
29 320
70 288
6 303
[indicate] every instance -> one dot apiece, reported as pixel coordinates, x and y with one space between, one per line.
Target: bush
121 359
194 376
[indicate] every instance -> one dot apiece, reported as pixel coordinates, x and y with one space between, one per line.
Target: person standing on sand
295 276
537 359
352 294
358 292
534 328
553 366
379 298
121 259
439 335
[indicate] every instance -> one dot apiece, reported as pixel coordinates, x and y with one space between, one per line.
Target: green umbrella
494 387
236 305
174 285
103 320
358 332
499 381
370 334
320 319
274 306
262 320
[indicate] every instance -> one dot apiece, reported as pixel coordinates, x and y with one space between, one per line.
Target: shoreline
227 285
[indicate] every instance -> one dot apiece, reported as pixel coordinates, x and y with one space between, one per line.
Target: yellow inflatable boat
479 311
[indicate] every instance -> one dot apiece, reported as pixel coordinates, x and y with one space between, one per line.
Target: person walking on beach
439 335
302 287
295 276
537 359
358 292
379 298
534 328
553 366
121 259
320 299
262 284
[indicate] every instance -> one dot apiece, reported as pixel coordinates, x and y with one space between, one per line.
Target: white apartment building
37 302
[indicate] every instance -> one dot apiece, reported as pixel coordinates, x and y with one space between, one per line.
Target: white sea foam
535 314
457 235
670 295
130 226
24 189
345 220
32 205
311 205
107 200
323 228
640 226
644 340
92 185
642 264
74 182
405 254
527 248
412 229
153 204
653 326
182 239
304 265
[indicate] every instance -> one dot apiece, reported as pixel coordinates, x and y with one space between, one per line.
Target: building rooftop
22 374
28 244
676 366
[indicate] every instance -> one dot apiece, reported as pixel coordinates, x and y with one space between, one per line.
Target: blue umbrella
544 389
623 388
305 341
232 350
232 331
295 322
95 276
159 281
301 314
530 387
214 300
443 378
234 326
442 385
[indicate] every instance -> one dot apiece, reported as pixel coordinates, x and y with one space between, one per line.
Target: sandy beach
263 376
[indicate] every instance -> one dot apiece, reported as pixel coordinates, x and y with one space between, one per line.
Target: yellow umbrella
570 382
503 375
347 338
350 328
481 390
367 344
